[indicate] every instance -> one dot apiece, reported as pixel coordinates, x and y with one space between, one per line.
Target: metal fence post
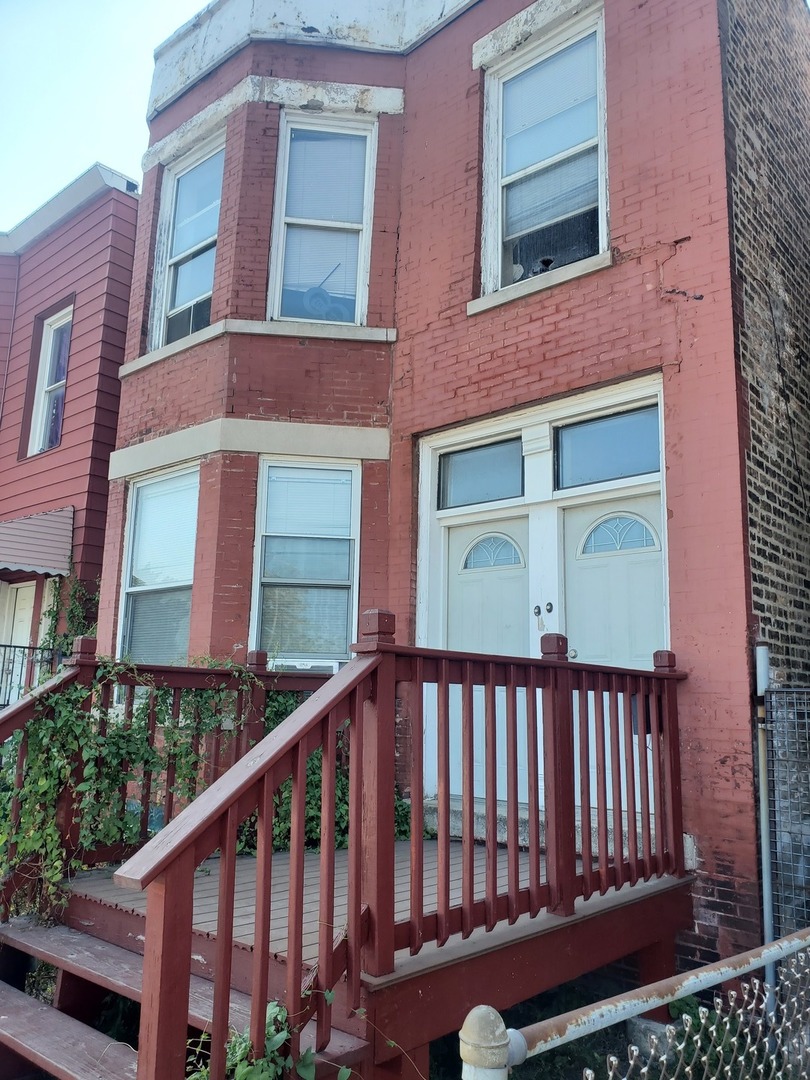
488 1050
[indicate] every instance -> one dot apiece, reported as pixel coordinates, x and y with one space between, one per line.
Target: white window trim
159 308
536 427
573 31
266 462
339 125
39 413
129 531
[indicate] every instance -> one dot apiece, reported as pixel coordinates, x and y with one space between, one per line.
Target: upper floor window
196 195
49 396
545 183
322 236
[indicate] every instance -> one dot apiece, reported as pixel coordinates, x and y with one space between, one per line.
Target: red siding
88 258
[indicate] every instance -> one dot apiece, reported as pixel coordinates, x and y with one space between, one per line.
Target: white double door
599 579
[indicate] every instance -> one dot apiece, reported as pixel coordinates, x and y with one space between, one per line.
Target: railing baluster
417 884
630 779
326 884
491 787
533 809
601 785
354 916
443 843
171 770
295 909
512 836
658 790
643 774
146 781
616 784
224 949
585 787
467 803
261 923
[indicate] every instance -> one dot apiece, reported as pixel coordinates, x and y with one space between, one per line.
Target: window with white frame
159 569
192 242
322 236
49 396
545 180
309 521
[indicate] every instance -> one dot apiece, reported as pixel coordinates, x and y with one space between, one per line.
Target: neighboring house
65 275
494 314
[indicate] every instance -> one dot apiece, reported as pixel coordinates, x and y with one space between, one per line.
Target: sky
74 87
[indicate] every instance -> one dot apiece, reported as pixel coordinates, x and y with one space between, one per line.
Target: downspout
10 339
762 658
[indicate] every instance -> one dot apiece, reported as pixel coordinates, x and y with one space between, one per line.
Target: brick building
65 274
493 314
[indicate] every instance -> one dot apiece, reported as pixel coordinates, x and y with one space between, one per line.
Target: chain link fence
754 1032
787 715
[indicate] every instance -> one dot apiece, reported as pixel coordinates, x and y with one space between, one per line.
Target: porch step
120 971
61 1046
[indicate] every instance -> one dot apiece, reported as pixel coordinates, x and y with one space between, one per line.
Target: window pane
554 193
193 278
158 626
54 410
326 176
320 274
313 502
550 107
196 208
555 245
482 474
298 558
165 531
492 551
60 344
305 622
618 534
609 448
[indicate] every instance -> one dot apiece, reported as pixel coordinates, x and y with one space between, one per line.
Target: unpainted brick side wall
768 129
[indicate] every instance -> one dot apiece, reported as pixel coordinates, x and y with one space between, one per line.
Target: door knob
572 654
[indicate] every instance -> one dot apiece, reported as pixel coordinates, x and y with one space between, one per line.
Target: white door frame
540 500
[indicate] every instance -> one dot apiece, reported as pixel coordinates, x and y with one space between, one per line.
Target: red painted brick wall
670 241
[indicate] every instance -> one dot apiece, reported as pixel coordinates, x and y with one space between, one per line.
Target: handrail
543 662
183 831
16 716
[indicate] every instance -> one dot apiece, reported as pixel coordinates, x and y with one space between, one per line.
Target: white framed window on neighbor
321 248
49 396
305 611
187 244
159 568
545 190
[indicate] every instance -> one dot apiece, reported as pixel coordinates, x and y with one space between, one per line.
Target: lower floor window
307 562
160 569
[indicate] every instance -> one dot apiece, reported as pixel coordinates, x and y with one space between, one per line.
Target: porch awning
40 543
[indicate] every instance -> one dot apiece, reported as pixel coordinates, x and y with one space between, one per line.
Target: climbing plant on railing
86 765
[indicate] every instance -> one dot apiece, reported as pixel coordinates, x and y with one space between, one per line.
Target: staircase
59 1039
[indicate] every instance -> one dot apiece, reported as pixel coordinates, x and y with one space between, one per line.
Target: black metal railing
22 668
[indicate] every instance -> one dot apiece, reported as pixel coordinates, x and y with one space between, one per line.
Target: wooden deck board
98 885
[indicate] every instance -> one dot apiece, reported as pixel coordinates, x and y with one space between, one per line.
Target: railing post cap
378 625
257 659
664 660
84 649
483 1040
554 647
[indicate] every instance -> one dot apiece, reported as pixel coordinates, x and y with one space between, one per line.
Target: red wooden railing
236 701
579 772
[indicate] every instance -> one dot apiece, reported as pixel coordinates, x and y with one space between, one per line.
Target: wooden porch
381 946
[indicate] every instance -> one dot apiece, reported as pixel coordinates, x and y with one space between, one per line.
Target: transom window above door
607 448
481 474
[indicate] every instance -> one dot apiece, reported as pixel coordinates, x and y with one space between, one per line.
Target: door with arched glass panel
614 582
